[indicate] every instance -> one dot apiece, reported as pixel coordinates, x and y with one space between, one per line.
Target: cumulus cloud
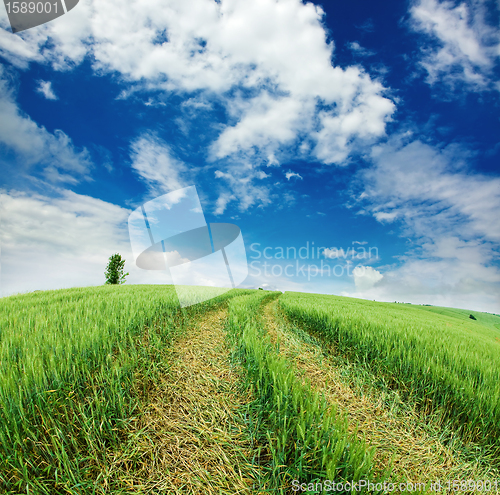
366 277
461 47
243 54
45 88
365 119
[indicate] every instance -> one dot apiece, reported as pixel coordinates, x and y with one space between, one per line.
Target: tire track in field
193 441
417 455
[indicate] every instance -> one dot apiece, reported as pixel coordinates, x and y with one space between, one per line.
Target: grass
488 320
302 437
395 428
446 366
69 361
190 434
111 390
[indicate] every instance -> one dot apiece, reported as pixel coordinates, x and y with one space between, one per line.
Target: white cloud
45 88
462 47
272 161
357 49
219 174
291 174
431 190
34 146
196 103
461 277
240 179
55 224
366 277
449 215
222 202
334 253
14 48
264 121
364 118
70 33
153 161
64 241
225 50
262 175
382 216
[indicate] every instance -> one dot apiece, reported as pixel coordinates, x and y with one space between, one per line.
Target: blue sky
367 129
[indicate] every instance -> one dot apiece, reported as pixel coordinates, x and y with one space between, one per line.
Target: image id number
31 7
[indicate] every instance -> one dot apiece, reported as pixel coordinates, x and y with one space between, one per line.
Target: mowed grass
69 360
449 367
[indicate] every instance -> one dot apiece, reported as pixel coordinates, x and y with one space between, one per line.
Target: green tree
114 270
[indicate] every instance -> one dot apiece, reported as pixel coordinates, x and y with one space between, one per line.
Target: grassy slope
439 360
69 361
393 427
487 320
305 440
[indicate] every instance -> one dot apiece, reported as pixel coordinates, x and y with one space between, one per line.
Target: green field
81 368
491 321
69 360
452 362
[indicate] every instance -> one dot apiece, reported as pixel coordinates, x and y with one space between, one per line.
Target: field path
194 440
418 456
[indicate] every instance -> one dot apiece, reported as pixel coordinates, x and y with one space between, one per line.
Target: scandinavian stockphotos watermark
311 261
170 233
